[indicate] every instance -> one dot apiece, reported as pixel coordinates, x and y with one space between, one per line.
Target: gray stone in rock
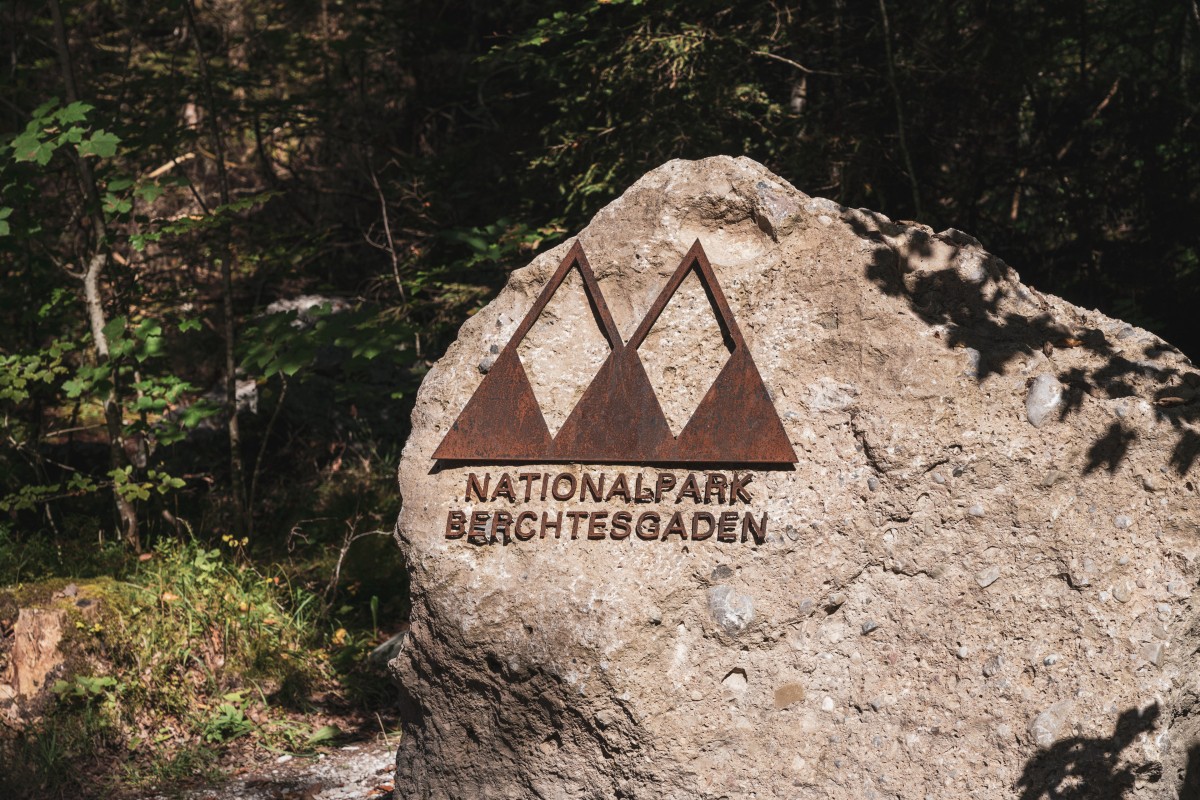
1153 653
736 680
1050 660
827 394
987 577
869 626
974 359
836 600
1045 727
732 611
1122 522
1122 591
486 363
975 510
1043 400
606 718
993 666
1052 478
721 572
775 209
872 483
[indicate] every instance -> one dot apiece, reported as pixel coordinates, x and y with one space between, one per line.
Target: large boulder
975 580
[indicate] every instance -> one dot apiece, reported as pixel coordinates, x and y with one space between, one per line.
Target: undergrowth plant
195 651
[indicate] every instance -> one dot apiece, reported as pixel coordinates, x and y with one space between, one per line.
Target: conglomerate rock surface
977 580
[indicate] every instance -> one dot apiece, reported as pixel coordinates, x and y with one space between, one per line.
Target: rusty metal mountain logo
618 419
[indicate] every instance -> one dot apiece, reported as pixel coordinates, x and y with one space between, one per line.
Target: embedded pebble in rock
735 681
732 611
1153 653
993 666
1043 400
1122 591
1045 726
974 358
594 656
789 695
987 577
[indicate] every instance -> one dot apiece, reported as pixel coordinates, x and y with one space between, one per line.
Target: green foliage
20 373
87 690
52 127
228 722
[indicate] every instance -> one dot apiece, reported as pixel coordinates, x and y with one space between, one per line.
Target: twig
387 231
350 538
383 730
170 165
795 64
262 448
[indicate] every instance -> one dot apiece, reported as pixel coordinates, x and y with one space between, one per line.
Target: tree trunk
93 300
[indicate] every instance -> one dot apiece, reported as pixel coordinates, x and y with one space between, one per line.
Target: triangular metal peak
503 420
697 260
619 419
575 258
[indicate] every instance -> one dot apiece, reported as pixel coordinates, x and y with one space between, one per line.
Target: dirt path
354 772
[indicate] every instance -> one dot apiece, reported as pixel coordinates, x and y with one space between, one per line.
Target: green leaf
45 108
324 734
30 147
148 328
148 193
75 112
114 331
74 387
101 144
120 184
189 325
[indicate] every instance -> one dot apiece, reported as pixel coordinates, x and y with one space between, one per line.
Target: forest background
288 208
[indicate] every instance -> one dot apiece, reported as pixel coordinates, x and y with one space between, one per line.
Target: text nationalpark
503 525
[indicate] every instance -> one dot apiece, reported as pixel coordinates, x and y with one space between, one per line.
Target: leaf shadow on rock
1090 768
974 320
1189 788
